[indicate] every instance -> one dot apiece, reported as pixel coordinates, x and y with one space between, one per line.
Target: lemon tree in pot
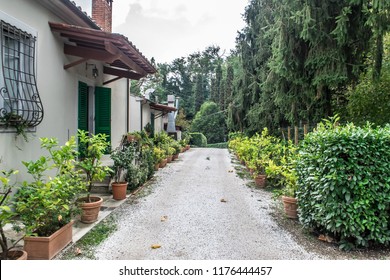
123 157
8 246
93 147
47 204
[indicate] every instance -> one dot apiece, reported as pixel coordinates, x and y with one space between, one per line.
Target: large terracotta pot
45 248
261 180
290 207
91 209
19 255
169 158
156 166
174 157
119 190
163 163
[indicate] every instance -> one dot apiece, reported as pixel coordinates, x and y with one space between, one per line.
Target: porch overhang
162 108
123 58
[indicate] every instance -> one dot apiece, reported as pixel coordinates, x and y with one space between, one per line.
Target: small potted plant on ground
47 204
177 148
94 147
8 251
123 157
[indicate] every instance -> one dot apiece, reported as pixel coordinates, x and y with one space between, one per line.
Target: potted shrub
288 179
133 136
46 205
158 156
123 158
177 147
8 251
94 147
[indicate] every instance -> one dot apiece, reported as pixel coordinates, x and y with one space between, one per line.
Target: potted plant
177 148
133 136
290 186
158 156
123 157
8 251
46 205
94 147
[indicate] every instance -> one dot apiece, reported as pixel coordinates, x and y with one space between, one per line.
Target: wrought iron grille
20 103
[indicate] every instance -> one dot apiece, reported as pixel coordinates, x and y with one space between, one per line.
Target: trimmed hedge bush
344 184
198 139
223 145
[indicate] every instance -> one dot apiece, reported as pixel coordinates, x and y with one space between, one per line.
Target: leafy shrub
198 139
344 183
211 122
223 145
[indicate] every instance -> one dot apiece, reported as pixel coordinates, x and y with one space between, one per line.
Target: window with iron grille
20 104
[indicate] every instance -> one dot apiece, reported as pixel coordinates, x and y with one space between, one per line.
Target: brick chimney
102 14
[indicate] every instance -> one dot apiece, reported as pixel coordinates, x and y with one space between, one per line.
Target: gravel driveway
200 209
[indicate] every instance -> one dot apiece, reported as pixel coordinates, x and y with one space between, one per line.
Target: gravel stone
210 213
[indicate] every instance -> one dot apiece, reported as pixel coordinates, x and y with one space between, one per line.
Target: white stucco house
60 71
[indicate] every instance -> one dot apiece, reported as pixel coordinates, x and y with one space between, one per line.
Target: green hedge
344 184
223 145
198 139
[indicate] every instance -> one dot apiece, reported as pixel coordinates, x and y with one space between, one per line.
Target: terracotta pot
169 159
119 190
261 180
163 163
187 147
290 207
90 209
156 166
19 255
174 157
45 248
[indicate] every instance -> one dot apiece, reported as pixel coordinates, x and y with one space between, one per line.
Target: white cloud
167 29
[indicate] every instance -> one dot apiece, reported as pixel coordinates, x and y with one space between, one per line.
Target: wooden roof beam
89 53
121 73
110 47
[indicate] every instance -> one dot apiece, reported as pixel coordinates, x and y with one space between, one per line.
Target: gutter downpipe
128 106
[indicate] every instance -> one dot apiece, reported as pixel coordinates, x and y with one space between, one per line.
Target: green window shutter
152 123
83 114
103 111
83 107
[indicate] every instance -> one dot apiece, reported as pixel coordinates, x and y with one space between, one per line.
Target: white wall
58 89
135 114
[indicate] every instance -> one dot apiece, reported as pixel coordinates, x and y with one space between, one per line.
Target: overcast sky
168 29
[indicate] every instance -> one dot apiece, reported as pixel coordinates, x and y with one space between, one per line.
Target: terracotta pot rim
94 199
119 183
19 253
289 198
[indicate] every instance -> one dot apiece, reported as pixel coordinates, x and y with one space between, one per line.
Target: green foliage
95 146
223 145
6 214
370 99
267 155
344 184
211 122
198 139
48 202
122 157
158 155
